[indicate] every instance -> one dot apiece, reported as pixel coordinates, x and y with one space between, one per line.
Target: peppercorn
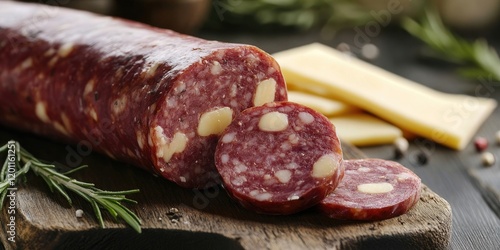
422 158
370 51
481 144
79 213
488 159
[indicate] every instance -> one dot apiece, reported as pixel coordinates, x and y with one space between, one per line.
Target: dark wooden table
451 174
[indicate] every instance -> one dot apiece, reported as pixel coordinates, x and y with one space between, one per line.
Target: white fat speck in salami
89 87
93 114
49 52
140 139
60 128
364 195
215 121
283 176
119 105
150 70
41 112
284 171
263 196
293 139
65 49
375 188
228 138
225 159
325 166
168 147
26 63
306 117
364 170
273 122
66 122
266 90
216 68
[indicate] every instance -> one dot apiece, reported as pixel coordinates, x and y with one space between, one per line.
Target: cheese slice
325 106
365 130
448 119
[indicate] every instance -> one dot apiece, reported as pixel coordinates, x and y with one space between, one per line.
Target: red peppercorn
481 144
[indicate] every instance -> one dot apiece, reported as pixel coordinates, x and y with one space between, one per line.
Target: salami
372 189
142 95
279 158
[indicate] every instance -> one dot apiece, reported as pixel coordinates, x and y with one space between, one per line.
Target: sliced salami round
142 95
372 189
279 158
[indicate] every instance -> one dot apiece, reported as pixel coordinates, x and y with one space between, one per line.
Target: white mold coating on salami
372 189
281 169
136 93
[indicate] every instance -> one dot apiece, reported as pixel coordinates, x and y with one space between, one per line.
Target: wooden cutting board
177 218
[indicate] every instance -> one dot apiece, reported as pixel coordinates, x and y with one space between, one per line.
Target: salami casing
372 189
279 158
143 95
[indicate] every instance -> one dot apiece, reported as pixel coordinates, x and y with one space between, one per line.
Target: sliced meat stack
280 158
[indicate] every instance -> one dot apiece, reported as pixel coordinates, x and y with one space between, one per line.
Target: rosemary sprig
298 14
60 182
477 58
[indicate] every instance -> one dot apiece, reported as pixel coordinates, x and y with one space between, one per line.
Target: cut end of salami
279 158
202 103
372 189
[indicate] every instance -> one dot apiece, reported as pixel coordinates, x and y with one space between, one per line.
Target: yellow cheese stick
362 129
327 107
448 119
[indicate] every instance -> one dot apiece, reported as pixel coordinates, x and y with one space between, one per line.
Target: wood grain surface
177 218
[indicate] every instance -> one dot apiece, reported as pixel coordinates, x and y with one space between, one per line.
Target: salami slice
279 158
372 189
143 95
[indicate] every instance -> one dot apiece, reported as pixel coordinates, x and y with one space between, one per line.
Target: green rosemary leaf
101 192
3 194
97 212
60 190
83 184
477 58
295 14
74 170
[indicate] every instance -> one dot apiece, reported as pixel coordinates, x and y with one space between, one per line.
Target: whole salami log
372 189
147 96
279 158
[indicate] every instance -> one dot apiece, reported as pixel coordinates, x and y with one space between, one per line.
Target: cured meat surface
279 158
372 189
146 96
